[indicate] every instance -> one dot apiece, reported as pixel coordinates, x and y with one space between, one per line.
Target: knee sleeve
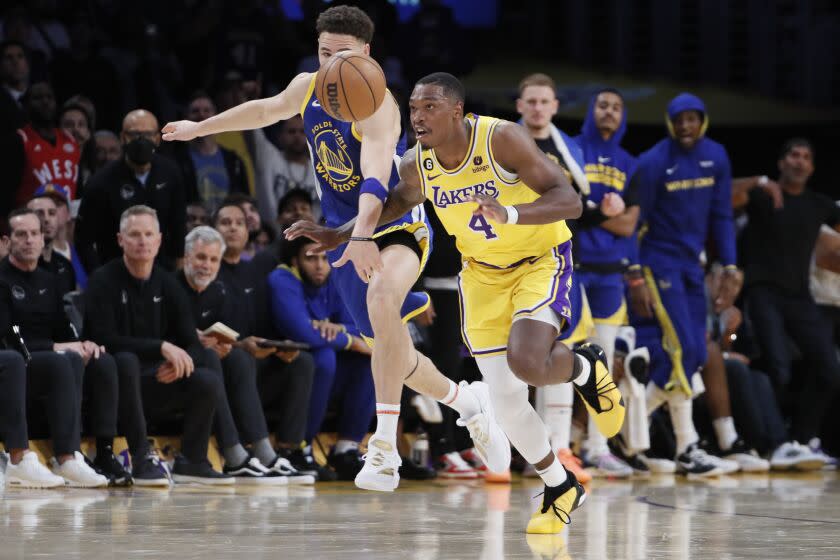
605 337
520 422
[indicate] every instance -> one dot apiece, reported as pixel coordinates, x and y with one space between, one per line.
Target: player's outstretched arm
407 194
258 113
516 152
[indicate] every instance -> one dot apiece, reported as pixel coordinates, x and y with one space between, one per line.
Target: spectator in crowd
45 207
60 241
686 175
139 312
14 81
77 120
48 154
197 215
295 205
293 169
108 148
302 297
30 302
140 177
754 408
264 238
210 172
784 223
252 217
23 470
241 408
285 381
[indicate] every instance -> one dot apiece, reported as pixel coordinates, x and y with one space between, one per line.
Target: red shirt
46 163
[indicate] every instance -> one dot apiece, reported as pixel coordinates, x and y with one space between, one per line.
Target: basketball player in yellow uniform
505 202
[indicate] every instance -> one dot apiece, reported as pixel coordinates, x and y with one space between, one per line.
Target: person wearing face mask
141 177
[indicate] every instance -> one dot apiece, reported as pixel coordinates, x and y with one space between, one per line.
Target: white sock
554 475
557 413
585 367
387 416
345 445
655 397
680 409
462 400
595 443
725 431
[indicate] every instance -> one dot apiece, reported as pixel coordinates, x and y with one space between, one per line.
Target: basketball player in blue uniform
355 167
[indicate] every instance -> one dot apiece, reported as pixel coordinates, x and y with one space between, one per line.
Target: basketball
350 86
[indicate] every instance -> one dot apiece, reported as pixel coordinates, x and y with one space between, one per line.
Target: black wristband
352 238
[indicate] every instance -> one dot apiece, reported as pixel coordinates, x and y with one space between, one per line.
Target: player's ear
519 105
366 49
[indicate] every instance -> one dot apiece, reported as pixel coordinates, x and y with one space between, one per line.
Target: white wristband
512 214
763 180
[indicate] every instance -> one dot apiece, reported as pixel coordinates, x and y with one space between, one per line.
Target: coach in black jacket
140 177
140 313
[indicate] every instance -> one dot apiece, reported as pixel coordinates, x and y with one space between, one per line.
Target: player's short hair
24 211
538 79
798 142
203 234
346 20
452 86
291 195
138 210
291 249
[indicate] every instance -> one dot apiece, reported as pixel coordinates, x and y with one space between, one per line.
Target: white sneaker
490 441
657 465
77 474
382 467
726 466
747 458
30 473
604 464
793 455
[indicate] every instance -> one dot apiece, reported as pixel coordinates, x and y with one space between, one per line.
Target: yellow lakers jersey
499 245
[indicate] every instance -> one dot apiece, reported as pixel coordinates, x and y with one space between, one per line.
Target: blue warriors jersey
336 148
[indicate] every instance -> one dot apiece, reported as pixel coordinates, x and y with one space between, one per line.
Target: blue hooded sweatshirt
684 195
608 168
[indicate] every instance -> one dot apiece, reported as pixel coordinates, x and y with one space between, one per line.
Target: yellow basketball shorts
492 297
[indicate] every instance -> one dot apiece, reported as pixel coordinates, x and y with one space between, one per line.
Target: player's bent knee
527 367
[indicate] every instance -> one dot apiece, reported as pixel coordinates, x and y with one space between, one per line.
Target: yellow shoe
558 503
548 547
600 394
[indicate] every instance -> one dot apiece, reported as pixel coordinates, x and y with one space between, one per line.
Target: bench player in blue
355 167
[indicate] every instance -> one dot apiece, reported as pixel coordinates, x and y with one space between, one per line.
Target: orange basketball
350 86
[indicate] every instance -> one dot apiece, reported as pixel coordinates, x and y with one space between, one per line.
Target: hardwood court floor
791 517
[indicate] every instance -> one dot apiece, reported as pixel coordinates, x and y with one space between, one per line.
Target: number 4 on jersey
479 223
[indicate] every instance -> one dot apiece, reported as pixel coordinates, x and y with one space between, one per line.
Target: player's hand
327 238
774 191
327 329
288 356
612 205
730 285
92 349
641 301
365 258
251 345
358 344
180 130
181 362
76 347
490 208
206 341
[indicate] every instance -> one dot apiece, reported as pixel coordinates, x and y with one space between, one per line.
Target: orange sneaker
575 465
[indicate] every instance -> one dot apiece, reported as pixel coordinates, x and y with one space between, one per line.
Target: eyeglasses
147 134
